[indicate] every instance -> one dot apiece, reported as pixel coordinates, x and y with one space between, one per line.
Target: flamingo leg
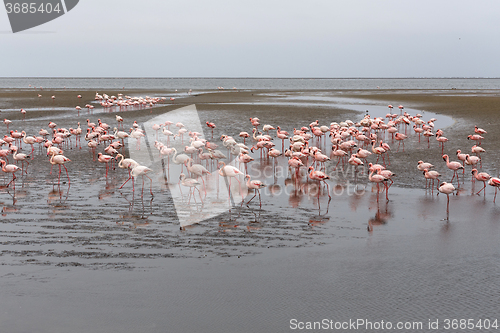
336 164
328 189
199 193
67 174
448 207
482 189
252 197
142 192
129 177
151 185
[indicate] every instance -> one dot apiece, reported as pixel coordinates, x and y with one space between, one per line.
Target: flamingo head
445 157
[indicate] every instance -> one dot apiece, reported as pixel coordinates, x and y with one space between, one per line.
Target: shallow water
90 257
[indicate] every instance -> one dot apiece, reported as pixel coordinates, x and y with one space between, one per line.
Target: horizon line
245 77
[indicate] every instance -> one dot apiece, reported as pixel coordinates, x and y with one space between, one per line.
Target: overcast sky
236 38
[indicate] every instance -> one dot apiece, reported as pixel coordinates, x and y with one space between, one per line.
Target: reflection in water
11 208
55 196
381 217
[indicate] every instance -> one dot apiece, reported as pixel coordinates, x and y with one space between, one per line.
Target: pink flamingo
472 160
104 159
462 157
141 170
455 166
198 170
156 127
192 184
496 183
92 145
204 156
29 140
255 121
447 188
9 168
428 135
479 131
387 148
320 177
255 185
339 153
321 158
387 174
231 172
355 161
441 139
424 165
431 175
126 163
60 160
20 157
211 126
120 121
475 137
481 176
400 137
379 151
377 179
7 122
282 135
296 163
274 154
244 135
478 150
4 153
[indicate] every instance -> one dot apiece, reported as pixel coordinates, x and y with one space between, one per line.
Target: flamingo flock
313 147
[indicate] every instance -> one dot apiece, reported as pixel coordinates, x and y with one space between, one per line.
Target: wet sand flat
90 257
